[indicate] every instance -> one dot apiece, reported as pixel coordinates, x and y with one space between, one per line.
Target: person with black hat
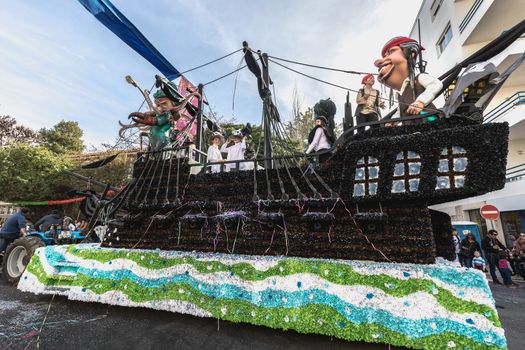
368 103
47 221
320 138
235 151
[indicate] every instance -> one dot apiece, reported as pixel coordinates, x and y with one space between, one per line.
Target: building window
452 168
406 172
366 177
444 39
434 8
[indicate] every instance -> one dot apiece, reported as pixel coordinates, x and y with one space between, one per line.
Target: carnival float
347 247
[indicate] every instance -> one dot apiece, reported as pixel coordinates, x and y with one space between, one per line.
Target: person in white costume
320 138
214 153
236 151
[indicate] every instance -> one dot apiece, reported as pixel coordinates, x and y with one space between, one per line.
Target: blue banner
114 20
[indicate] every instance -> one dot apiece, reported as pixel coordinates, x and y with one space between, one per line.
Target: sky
58 62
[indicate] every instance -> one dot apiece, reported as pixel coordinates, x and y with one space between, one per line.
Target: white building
450 32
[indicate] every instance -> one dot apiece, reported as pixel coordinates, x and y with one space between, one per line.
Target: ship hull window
407 171
366 177
452 168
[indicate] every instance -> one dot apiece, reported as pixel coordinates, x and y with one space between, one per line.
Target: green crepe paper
390 285
312 318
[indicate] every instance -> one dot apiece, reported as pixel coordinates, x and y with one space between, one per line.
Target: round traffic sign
489 212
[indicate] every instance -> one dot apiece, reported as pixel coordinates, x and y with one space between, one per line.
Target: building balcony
512 111
483 22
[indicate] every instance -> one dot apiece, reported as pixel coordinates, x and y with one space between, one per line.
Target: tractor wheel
17 257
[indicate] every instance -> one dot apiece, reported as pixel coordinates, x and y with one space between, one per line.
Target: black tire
21 249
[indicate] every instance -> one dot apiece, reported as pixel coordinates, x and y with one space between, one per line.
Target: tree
300 123
10 132
299 127
116 173
30 173
66 136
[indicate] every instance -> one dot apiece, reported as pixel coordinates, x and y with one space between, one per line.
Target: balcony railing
464 23
516 99
515 173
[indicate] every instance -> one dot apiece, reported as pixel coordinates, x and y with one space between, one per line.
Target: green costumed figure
160 123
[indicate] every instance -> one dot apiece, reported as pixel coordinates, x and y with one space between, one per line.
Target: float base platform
439 306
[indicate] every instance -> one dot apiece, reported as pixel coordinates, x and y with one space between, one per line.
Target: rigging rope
208 63
224 76
235 86
343 87
321 67
314 78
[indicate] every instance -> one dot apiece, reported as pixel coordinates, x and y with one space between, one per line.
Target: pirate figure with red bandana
368 103
397 70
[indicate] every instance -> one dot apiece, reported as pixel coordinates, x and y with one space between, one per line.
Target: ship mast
268 151
263 85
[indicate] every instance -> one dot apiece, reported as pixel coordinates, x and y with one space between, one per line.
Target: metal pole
198 141
89 180
421 65
266 108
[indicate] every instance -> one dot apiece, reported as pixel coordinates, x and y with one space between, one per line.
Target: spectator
492 246
504 268
519 255
512 258
478 262
468 247
457 244
45 223
14 227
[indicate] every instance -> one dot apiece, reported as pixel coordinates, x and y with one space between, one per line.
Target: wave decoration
438 306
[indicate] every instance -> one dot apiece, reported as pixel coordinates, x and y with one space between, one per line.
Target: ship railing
196 158
255 164
515 173
518 98
310 158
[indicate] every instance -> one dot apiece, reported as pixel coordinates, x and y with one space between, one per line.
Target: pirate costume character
320 139
397 71
214 153
368 103
235 151
160 123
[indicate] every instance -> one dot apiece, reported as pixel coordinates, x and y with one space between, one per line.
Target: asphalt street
79 325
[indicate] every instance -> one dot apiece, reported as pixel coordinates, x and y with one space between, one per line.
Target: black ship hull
368 201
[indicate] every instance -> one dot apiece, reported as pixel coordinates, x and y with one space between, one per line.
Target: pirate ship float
368 201
271 246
